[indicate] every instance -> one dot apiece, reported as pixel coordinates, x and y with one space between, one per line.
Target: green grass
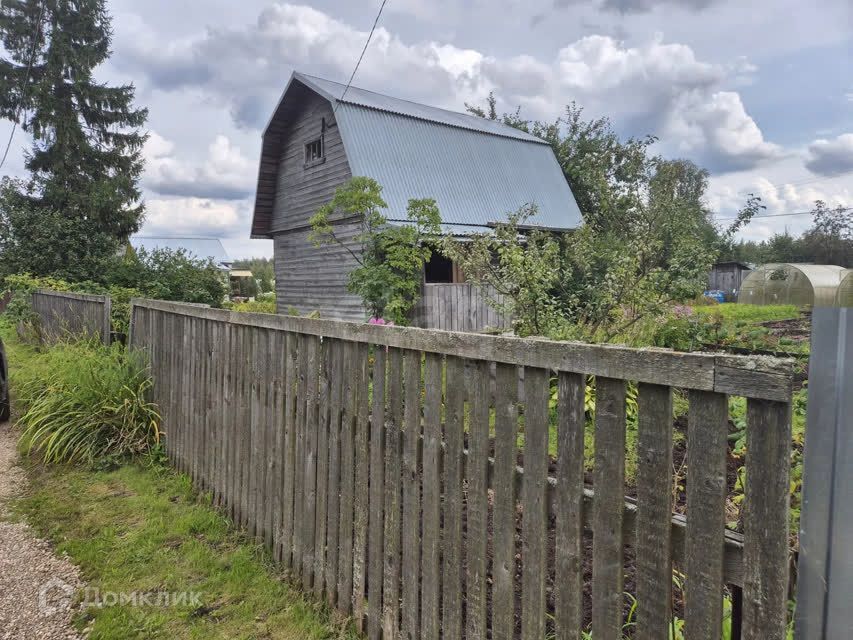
750 312
146 530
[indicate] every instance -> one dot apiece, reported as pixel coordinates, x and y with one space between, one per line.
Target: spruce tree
85 161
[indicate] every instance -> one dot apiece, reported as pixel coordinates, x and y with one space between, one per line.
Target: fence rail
458 307
381 465
62 314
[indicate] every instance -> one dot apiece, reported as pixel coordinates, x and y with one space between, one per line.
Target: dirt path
36 586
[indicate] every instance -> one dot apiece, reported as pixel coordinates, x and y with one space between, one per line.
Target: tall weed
85 402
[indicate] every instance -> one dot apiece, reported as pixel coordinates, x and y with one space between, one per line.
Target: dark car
4 385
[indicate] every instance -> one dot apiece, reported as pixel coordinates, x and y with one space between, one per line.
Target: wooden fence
457 307
381 466
74 314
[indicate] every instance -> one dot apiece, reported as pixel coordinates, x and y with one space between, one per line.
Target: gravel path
36 586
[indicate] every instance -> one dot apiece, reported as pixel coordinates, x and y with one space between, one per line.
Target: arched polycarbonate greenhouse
799 284
844 293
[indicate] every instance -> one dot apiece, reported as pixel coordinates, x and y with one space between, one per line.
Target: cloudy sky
759 92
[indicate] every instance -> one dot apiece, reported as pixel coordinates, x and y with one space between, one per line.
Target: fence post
108 303
826 523
130 323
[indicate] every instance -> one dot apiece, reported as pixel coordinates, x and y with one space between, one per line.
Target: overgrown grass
144 529
750 312
82 402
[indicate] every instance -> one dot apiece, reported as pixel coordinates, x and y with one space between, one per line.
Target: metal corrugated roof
475 178
362 97
477 170
202 248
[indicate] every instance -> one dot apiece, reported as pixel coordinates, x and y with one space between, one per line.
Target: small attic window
314 152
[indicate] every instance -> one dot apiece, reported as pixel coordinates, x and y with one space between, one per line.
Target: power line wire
782 215
24 86
363 51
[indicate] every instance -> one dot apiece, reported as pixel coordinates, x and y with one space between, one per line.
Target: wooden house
322 134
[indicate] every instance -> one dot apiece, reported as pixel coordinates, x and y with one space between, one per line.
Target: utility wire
363 51
26 82
782 215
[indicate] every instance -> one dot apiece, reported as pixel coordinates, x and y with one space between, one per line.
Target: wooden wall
457 307
310 278
380 465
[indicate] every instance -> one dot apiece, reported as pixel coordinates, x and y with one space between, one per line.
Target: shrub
169 275
84 402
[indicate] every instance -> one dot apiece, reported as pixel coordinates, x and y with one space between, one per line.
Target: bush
262 304
169 275
83 402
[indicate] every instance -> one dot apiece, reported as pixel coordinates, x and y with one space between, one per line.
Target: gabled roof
200 248
333 91
477 170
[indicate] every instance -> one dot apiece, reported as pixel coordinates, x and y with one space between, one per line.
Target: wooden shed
727 277
322 133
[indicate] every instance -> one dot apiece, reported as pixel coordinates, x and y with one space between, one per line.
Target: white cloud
782 191
655 87
194 217
225 174
830 157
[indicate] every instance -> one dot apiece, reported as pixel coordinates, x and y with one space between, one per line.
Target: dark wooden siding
310 278
301 190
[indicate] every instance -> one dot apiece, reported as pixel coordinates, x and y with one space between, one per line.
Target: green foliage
169 275
390 258
86 402
263 270
262 304
525 269
82 196
828 241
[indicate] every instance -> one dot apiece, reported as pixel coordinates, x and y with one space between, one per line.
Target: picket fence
63 314
381 466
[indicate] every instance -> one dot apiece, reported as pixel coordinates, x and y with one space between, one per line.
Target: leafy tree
169 275
524 269
390 258
830 239
85 161
262 269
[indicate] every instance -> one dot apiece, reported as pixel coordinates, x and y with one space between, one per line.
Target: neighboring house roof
202 248
477 170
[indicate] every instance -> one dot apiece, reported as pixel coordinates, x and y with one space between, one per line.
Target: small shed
844 293
728 277
799 284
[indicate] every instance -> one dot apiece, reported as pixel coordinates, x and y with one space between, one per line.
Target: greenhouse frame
798 284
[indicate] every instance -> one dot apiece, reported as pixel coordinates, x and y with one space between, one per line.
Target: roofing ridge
308 79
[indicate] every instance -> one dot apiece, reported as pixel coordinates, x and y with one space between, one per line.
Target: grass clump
82 402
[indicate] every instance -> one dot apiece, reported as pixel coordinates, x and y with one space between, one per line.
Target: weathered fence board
381 465
458 307
73 314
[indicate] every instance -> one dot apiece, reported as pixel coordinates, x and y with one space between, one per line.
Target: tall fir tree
86 160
